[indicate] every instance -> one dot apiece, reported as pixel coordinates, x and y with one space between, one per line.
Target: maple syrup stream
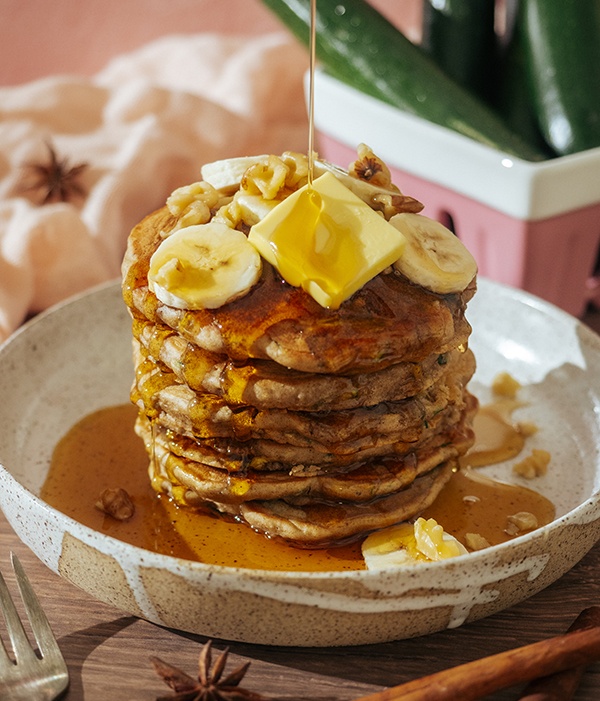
311 91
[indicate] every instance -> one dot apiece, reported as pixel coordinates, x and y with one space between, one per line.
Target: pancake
453 426
267 385
361 483
320 524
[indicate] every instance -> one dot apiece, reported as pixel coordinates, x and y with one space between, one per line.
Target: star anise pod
209 686
55 181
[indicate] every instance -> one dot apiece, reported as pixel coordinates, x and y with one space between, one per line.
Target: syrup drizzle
311 91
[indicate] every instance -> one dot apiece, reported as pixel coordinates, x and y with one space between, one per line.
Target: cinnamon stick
471 681
562 685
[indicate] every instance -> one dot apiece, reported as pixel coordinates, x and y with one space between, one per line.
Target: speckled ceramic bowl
54 370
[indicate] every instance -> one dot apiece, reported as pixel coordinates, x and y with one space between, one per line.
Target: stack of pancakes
308 424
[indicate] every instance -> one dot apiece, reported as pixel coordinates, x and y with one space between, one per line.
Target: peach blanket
143 125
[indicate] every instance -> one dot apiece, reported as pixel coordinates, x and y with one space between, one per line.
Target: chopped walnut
520 523
181 198
194 204
534 465
244 211
297 165
527 428
371 168
474 541
231 215
391 204
267 179
116 503
505 385
263 185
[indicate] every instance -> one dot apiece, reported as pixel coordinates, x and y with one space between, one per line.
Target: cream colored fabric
144 125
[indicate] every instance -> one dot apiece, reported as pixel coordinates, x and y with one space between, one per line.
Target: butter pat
327 241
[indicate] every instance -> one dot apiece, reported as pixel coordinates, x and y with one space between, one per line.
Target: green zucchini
561 41
358 46
460 36
512 98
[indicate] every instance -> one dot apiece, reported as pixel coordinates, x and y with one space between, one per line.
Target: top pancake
389 320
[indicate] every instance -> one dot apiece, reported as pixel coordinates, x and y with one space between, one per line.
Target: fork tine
27 675
18 638
5 603
39 622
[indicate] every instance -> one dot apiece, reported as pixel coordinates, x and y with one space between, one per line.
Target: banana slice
408 544
254 208
434 257
226 175
203 267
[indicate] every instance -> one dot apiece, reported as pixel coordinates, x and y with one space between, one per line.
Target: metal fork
29 676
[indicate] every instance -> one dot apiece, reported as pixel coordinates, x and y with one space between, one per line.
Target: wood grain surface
107 651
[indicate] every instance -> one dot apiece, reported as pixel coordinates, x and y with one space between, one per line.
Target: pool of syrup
102 451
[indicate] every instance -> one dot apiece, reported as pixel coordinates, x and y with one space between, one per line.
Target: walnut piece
534 465
505 385
475 541
371 168
267 179
520 523
116 503
528 428
194 204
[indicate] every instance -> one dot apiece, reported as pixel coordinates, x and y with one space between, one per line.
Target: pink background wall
39 37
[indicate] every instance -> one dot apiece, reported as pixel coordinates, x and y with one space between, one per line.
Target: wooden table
108 651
